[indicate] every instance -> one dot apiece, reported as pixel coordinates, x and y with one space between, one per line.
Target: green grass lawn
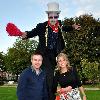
9 93
93 94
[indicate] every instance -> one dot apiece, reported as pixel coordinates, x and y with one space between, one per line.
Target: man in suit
51 41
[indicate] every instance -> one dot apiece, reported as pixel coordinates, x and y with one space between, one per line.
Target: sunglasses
51 17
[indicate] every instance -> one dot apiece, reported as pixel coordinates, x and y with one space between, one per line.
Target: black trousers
49 63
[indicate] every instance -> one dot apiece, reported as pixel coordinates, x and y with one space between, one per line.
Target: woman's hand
84 97
62 90
68 89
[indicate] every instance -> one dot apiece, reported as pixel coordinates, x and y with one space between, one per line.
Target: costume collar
54 27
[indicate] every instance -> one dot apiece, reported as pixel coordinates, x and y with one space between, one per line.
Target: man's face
36 61
53 17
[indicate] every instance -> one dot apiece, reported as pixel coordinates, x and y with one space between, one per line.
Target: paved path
92 88
15 85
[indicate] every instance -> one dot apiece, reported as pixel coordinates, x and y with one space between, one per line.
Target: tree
84 43
2 65
18 57
2 68
90 70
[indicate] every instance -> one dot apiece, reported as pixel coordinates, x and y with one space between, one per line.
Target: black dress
69 78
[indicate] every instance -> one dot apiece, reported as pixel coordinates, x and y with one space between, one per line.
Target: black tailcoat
49 56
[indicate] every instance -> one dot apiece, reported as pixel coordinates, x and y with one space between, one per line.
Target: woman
68 80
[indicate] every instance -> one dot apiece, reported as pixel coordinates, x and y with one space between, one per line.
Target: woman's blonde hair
66 58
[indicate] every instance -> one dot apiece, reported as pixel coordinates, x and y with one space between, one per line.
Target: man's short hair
36 53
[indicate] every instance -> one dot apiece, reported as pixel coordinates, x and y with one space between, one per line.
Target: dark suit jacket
32 86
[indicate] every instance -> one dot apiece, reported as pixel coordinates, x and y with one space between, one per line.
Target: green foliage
18 57
90 70
83 43
2 65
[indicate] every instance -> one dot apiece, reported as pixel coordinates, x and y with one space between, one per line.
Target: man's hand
24 35
76 26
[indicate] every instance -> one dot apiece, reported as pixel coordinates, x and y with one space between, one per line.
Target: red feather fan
13 30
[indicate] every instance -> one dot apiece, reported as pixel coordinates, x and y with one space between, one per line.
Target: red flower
13 30
57 97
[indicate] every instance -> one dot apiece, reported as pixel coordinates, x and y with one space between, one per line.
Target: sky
26 14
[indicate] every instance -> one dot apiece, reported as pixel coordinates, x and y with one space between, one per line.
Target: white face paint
53 18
